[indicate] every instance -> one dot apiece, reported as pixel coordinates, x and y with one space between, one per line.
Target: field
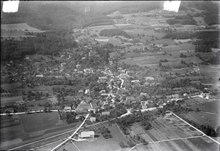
10 100
12 131
147 59
203 118
171 134
20 26
17 30
38 122
191 144
34 105
212 107
165 128
100 143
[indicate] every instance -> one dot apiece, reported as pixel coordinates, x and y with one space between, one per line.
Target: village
139 82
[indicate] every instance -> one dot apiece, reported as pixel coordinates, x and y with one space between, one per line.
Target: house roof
67 108
83 107
87 134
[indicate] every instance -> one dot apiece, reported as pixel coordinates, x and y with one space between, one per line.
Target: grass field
38 122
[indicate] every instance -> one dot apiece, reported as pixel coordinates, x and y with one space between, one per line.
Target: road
32 112
70 137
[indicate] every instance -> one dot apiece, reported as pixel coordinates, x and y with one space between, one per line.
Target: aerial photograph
110 76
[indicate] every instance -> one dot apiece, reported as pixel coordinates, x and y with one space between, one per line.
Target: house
135 81
83 107
144 104
92 119
87 91
67 108
129 100
149 78
102 79
88 70
87 134
106 113
180 41
145 95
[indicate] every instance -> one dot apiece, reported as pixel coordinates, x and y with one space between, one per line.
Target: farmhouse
87 134
83 107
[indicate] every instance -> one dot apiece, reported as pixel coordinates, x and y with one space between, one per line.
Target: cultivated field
165 128
191 144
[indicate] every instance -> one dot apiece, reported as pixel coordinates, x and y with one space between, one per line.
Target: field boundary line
135 146
75 146
195 128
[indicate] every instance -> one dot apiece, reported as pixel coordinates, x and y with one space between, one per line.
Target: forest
48 43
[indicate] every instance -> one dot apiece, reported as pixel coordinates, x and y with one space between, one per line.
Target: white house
87 134
92 119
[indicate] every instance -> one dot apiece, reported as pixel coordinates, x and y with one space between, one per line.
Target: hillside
59 15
